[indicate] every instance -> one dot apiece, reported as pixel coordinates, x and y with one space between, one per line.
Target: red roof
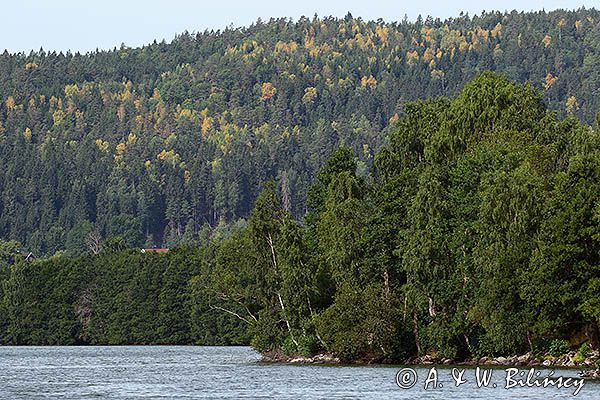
155 250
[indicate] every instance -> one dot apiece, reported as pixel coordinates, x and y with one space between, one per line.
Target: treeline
163 143
117 297
476 232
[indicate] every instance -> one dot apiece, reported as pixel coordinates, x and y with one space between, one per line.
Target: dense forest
475 232
163 144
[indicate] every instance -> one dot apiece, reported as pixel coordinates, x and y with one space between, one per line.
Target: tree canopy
161 143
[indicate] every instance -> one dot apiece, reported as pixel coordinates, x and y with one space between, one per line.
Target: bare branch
232 313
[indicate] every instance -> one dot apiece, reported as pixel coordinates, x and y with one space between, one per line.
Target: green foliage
126 227
289 347
8 251
76 241
267 334
559 347
584 350
309 345
340 325
114 244
119 297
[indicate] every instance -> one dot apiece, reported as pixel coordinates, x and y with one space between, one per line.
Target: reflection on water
173 372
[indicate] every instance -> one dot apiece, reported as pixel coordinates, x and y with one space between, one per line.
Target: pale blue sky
82 25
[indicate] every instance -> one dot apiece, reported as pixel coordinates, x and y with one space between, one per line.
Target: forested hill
159 143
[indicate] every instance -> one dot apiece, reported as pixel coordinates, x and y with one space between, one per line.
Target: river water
173 372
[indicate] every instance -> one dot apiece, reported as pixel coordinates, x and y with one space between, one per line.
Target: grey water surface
181 372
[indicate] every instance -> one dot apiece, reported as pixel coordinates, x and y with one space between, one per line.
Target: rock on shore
569 360
593 374
280 357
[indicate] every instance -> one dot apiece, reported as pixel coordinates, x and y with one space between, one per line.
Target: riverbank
569 360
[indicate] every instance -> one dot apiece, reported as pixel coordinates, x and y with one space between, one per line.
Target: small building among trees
27 256
159 251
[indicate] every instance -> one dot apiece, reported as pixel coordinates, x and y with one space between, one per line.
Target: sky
80 25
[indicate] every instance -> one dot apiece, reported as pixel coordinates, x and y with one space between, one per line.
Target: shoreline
527 360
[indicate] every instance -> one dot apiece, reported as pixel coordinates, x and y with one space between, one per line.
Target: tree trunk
416 331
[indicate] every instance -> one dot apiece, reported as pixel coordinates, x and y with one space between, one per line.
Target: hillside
475 233
161 144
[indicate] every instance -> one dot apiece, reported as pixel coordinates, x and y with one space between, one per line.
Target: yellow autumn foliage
383 33
102 145
27 134
126 93
369 81
121 148
428 55
58 117
169 156
497 31
412 57
131 139
10 103
547 40
549 80
310 94
571 105
71 90
437 74
268 91
286 47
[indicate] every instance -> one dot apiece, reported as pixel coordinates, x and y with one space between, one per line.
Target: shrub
265 334
289 347
582 354
584 350
559 347
308 345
